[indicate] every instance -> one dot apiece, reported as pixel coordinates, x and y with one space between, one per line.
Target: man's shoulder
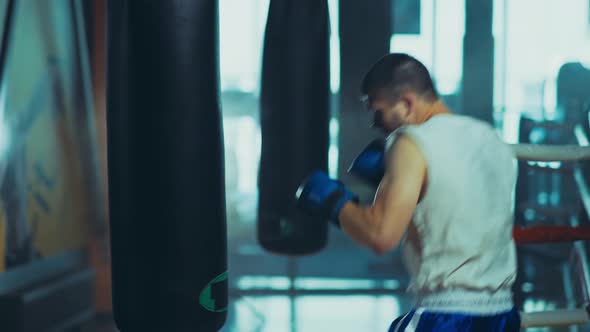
441 128
454 118
455 123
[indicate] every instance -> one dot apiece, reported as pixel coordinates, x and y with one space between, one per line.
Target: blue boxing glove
369 165
323 197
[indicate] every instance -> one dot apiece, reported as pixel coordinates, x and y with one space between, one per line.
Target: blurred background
523 65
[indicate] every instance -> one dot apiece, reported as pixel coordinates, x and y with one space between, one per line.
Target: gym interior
150 152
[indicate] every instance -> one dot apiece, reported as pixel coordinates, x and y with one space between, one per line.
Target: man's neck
430 110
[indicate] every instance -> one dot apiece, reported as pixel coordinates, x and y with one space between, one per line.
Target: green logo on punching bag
286 227
214 296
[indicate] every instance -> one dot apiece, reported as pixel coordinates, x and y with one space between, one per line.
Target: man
445 194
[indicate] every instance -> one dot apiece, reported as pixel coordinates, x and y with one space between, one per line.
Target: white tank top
460 237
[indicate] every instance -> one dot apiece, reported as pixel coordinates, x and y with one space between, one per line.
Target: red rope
549 234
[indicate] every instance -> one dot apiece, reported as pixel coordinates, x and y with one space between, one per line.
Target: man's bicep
400 190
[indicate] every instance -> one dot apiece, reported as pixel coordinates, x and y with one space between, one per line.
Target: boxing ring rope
551 234
537 152
541 152
553 318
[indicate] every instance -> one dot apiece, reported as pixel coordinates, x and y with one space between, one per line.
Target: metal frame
236 292
6 35
43 269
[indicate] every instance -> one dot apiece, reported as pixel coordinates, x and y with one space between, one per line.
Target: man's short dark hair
395 74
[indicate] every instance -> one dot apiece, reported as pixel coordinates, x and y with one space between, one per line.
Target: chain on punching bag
295 114
166 175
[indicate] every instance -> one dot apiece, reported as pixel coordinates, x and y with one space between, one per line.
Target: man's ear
410 101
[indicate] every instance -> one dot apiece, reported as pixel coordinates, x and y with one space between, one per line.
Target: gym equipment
295 115
166 174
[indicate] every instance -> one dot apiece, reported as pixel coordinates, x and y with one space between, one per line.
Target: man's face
390 116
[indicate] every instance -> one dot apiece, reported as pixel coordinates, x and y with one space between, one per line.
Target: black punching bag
295 114
166 175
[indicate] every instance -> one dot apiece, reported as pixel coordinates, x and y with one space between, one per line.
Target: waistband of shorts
467 301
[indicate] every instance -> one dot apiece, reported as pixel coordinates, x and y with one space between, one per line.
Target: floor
306 313
314 314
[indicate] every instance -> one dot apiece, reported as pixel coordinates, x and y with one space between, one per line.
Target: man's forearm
363 225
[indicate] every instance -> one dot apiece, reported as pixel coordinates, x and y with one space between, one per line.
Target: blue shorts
421 320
